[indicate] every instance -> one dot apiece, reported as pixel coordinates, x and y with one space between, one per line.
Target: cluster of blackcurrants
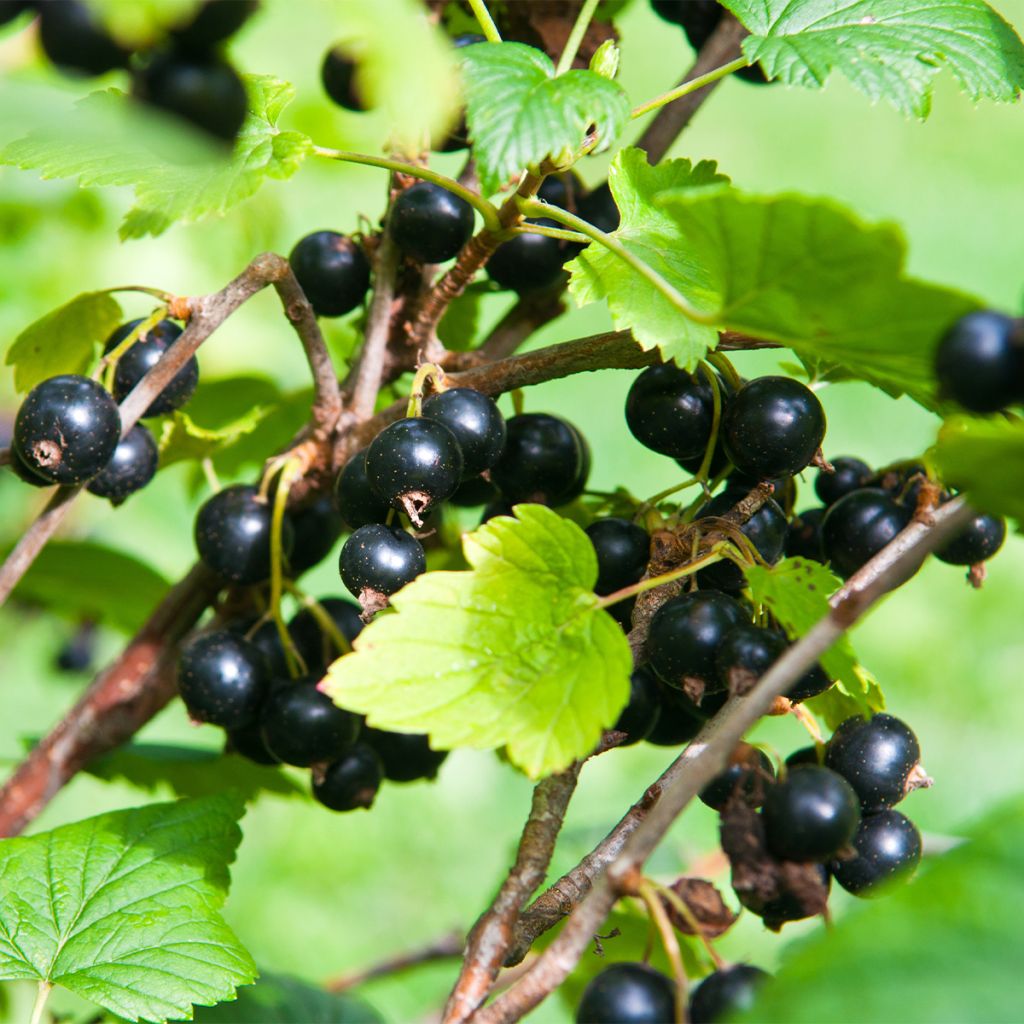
68 428
187 75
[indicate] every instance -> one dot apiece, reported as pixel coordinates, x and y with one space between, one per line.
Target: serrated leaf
63 341
985 457
890 49
123 908
519 113
515 653
181 439
796 592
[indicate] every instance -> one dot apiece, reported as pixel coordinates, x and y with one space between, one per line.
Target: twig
445 948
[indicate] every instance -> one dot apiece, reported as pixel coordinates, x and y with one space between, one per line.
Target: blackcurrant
248 743
414 464
473 492
858 526
79 650
622 613
232 535
332 270
747 652
685 633
598 208
338 73
316 647
980 361
130 468
475 421
406 757
978 541
772 427
73 38
202 89
805 755
302 726
213 23
811 814
679 719
670 411
352 781
223 679
851 474
26 475
888 847
803 536
561 190
640 715
726 993
142 356
747 778
266 637
357 501
628 993
429 223
66 429
876 756
543 460
766 529
622 549
380 559
529 261
316 527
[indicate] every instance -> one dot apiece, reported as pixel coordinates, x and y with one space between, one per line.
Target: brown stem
445 948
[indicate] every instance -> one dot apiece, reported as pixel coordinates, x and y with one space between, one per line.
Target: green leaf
890 49
181 439
985 457
143 23
515 653
911 950
519 113
63 341
796 592
63 580
123 908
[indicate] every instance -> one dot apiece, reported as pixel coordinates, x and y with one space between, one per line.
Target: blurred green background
319 894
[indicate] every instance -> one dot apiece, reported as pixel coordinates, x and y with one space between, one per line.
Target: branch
444 948
708 753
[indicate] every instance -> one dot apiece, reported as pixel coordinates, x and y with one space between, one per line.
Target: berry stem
724 366
810 723
579 30
322 616
43 991
656 499
716 554
158 293
487 26
427 372
684 911
543 229
716 419
649 894
692 86
210 472
289 472
108 364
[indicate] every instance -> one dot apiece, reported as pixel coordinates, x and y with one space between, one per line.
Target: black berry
766 529
598 208
66 429
339 73
248 743
23 473
529 261
316 647
850 474
406 757
561 190
429 223
333 271
622 549
803 536
670 411
232 535
543 460
877 757
316 527
380 559
142 356
223 679
748 651
888 847
858 526
978 541
772 427
130 468
302 726
357 501
811 814
679 719
980 361
475 421
214 22
267 639
747 778
805 755
352 781
640 715
473 492
628 993
726 993
74 39
79 650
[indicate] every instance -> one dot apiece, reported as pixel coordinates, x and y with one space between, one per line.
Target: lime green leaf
63 580
911 949
123 908
514 653
143 23
890 49
63 341
985 457
518 112
182 439
796 592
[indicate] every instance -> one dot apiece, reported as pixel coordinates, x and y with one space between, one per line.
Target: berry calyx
406 757
130 468
429 223
379 560
332 270
66 429
313 644
529 261
223 679
74 39
544 460
315 527
851 474
476 422
622 549
803 536
358 503
766 529
339 74
628 993
142 356
811 814
671 411
352 781
977 542
726 993
302 726
640 715
980 361
747 778
858 526
772 426
888 847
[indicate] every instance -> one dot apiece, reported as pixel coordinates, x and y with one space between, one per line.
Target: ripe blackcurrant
213 23
561 190
23 473
766 529
811 814
74 39
747 778
475 421
726 993
640 715
142 356
685 633
747 652
267 639
529 261
670 411
679 719
202 89
223 679
598 208
66 429
406 757
316 647
980 361
474 492
248 743
380 559
79 650
623 550
315 527
628 993
357 501
232 535
805 755
352 781
877 756
302 726
858 526
851 474
414 464
332 270
130 468
803 536
888 847
429 223
978 541
543 460
338 74
772 427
